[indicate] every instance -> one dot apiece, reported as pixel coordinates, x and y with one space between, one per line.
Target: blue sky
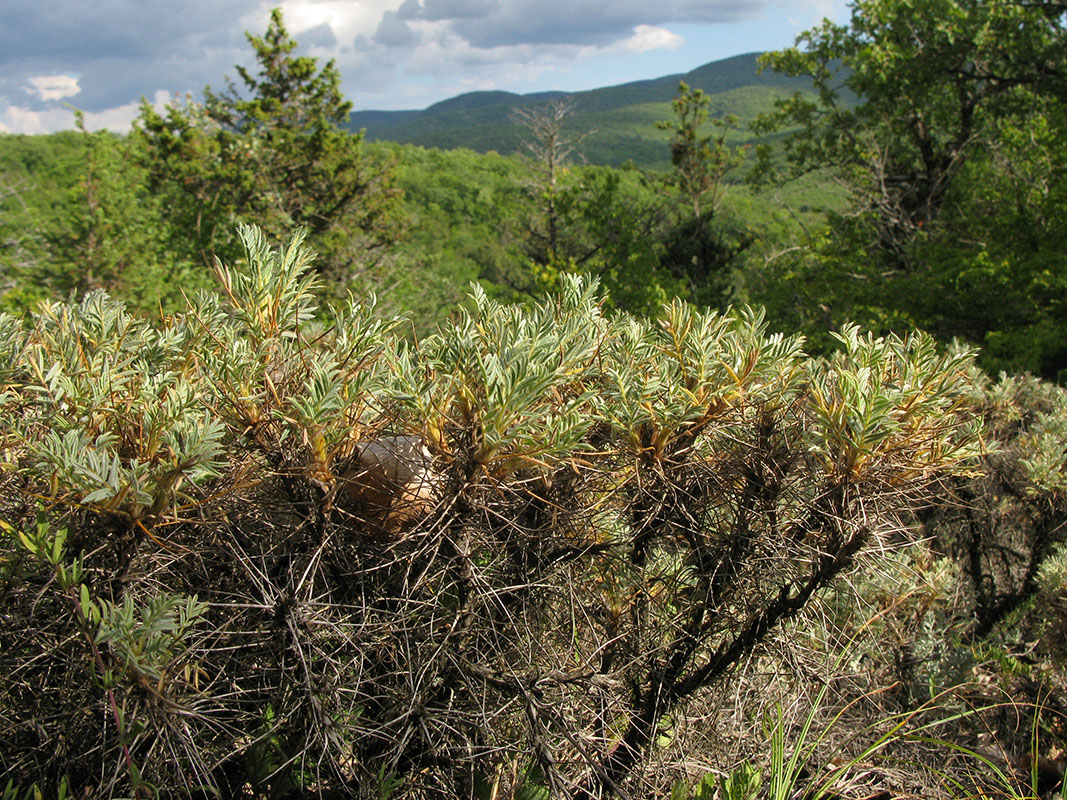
102 57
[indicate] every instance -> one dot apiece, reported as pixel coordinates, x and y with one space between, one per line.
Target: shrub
215 579
1005 521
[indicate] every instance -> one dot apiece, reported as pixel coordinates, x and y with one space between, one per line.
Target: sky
103 56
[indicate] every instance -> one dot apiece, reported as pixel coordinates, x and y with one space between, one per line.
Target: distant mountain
623 116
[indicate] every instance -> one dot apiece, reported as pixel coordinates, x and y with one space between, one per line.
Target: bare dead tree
549 148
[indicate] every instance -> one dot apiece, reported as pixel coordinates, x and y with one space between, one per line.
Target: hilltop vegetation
342 468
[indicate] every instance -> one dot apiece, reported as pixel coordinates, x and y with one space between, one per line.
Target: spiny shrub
1002 523
246 552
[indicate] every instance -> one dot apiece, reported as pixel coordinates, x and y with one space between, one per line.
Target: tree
554 238
84 219
700 161
644 244
589 220
629 220
114 233
917 110
931 79
699 248
273 150
15 259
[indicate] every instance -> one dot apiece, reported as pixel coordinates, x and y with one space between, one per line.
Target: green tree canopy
922 110
273 150
701 249
932 78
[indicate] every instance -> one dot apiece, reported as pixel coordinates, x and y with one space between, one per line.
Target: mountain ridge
482 120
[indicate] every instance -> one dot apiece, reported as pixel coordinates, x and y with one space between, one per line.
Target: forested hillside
338 468
619 120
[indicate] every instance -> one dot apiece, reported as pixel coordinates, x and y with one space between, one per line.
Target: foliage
628 219
298 555
646 238
938 117
100 221
614 225
699 249
264 545
82 219
143 216
927 76
273 151
1051 604
700 162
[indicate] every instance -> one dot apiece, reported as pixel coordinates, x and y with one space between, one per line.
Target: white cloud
650 37
444 63
18 119
54 87
120 118
345 18
461 67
